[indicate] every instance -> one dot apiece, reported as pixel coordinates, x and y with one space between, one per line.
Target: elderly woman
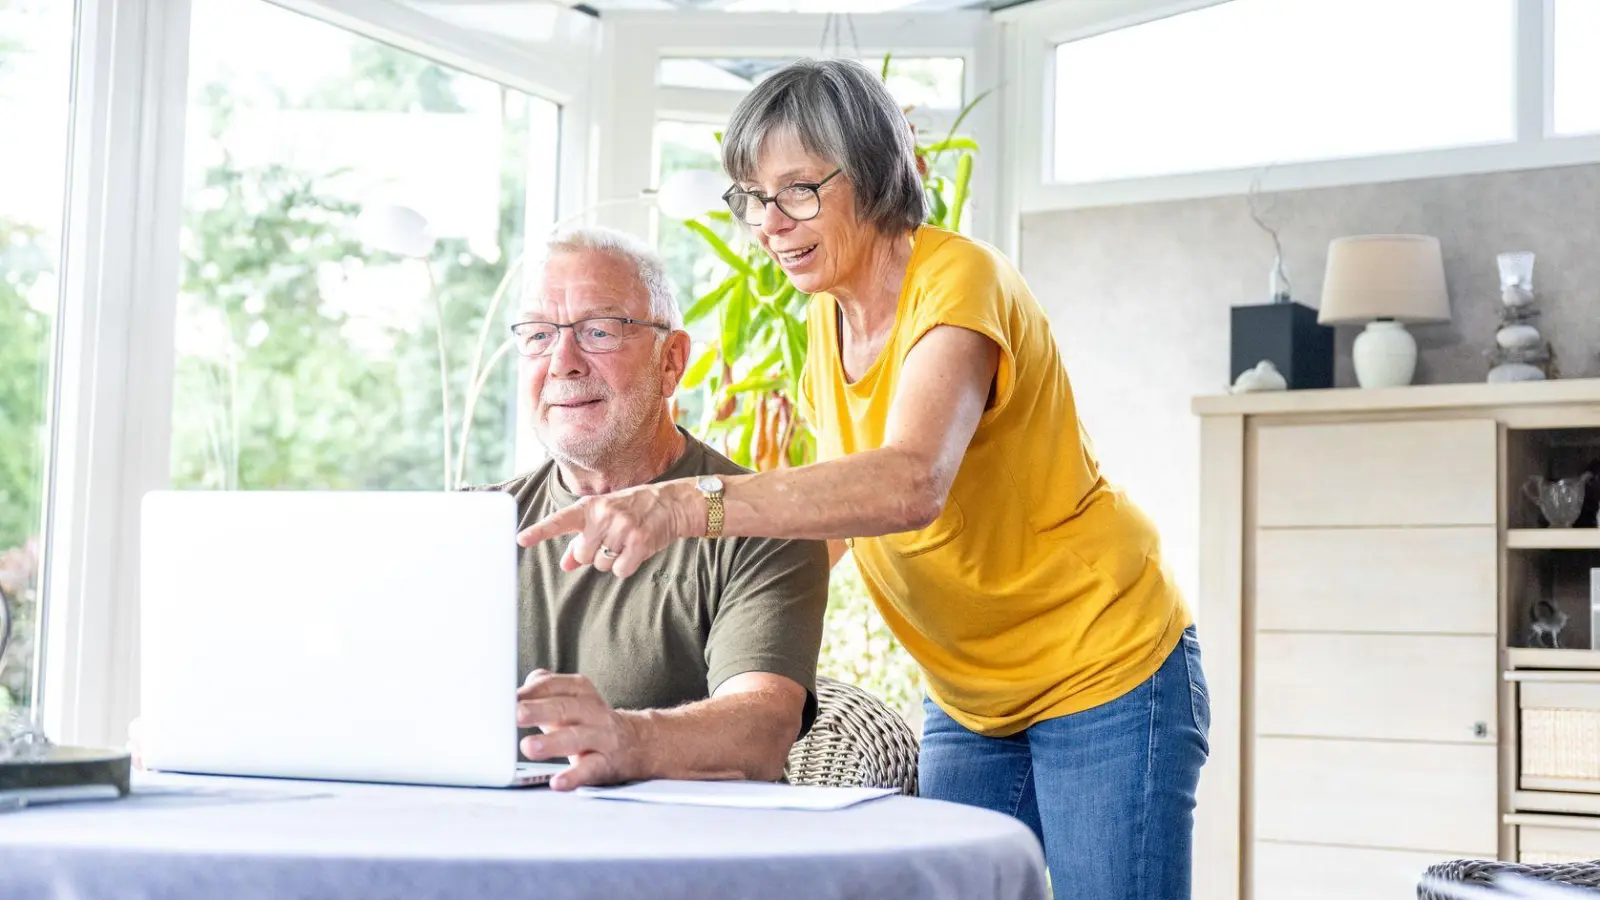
1062 669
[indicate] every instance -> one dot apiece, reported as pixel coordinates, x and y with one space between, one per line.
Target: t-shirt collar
688 463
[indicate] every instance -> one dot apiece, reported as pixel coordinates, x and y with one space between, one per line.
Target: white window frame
636 42
112 414
1031 33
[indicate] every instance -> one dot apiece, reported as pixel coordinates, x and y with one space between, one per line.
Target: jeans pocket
1199 693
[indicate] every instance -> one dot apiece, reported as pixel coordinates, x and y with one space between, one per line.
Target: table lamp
1385 281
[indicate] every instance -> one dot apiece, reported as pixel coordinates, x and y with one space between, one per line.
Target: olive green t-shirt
693 616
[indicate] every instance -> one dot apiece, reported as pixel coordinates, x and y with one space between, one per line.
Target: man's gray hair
841 112
647 264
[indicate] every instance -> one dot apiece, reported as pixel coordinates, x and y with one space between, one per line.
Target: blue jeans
1109 791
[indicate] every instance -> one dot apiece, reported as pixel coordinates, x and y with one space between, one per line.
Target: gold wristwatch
712 487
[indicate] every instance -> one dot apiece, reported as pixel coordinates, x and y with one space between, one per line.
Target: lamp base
64 773
1385 355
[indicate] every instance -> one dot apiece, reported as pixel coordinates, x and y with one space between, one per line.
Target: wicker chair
1482 872
856 741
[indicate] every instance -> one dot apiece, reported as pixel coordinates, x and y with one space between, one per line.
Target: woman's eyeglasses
800 202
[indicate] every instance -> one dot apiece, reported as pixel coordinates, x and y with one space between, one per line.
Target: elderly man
702 664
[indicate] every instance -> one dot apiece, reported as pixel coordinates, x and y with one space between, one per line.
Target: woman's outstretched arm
944 387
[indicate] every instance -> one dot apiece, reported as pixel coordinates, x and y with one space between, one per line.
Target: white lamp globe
691 193
395 229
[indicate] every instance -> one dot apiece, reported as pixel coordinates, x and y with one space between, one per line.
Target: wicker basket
1483 872
856 741
1560 736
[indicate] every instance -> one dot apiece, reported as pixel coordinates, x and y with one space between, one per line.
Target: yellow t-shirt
1040 590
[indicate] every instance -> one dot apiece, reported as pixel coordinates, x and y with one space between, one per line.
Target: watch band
713 513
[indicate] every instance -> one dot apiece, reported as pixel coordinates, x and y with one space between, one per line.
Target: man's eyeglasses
799 202
602 334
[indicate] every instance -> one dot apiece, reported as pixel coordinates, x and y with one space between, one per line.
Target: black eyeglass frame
557 326
814 187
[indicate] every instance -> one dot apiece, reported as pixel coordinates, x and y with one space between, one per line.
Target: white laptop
360 636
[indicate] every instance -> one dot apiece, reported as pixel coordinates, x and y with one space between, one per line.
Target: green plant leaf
721 248
735 319
953 143
956 125
939 208
759 382
700 369
748 424
706 304
794 347
785 296
769 277
963 182
884 75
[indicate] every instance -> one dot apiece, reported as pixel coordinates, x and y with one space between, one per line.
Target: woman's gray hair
647 265
841 112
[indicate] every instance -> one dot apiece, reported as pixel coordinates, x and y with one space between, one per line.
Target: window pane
1577 66
307 345
931 82
1252 82
35 102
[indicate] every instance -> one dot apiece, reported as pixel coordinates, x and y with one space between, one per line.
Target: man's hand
577 722
616 532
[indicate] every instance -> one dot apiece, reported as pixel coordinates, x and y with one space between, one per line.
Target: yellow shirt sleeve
962 286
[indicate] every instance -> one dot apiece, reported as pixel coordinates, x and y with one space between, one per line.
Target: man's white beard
624 438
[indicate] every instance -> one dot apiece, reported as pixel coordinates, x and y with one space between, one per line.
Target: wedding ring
608 553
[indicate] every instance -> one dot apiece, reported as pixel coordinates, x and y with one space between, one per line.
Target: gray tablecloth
190 837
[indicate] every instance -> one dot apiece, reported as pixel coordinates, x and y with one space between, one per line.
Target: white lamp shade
690 193
1384 276
395 229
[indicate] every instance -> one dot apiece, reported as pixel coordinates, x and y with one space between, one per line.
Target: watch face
710 483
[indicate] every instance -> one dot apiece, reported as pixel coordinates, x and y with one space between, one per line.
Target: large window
1577 66
1253 82
342 196
35 94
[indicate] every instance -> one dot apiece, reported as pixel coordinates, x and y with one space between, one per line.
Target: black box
1288 335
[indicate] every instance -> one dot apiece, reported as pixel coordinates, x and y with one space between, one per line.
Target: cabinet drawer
1312 872
1403 796
1395 580
1559 736
1390 473
1552 844
1380 686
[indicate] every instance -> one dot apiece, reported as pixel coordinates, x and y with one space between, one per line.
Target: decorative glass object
33 770
1545 621
1559 500
20 739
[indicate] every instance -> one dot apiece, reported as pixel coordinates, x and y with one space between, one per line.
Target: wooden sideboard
1367 565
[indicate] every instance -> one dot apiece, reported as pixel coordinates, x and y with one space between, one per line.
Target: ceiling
812 6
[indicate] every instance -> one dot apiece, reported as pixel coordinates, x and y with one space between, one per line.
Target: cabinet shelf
1553 539
1542 658
1555 802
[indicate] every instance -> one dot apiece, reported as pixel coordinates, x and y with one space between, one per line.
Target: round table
204 837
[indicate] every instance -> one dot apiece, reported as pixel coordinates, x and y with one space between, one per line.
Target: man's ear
674 362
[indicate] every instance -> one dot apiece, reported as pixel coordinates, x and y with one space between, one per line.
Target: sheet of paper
738 794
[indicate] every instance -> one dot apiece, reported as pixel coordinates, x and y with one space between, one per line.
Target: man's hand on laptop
578 723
